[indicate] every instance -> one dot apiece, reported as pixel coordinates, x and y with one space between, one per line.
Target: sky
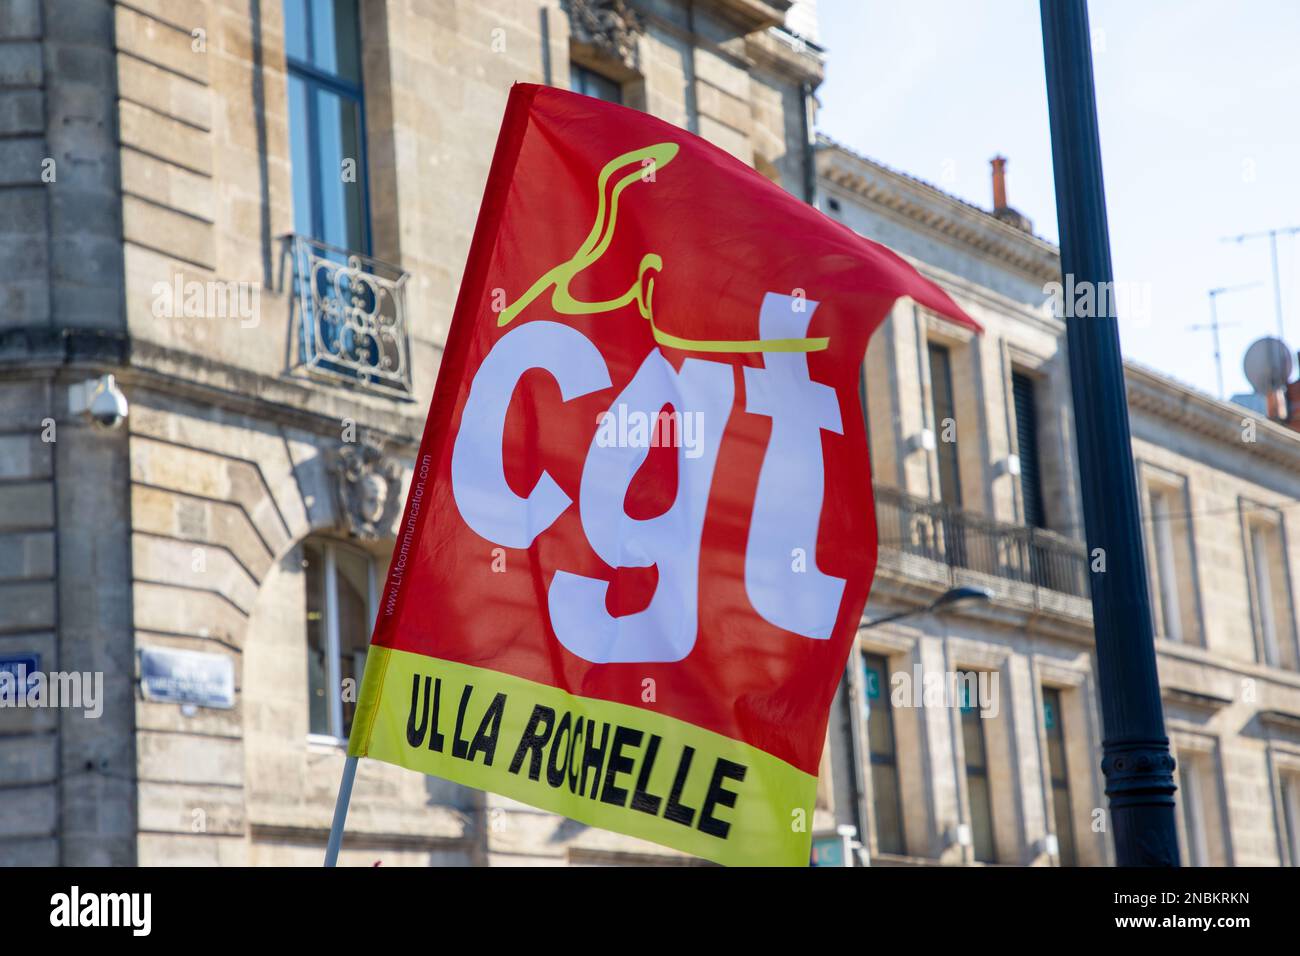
1199 109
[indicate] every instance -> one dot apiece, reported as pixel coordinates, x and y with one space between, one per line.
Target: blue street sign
187 677
22 670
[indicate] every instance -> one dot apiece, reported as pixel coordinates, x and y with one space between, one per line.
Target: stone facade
1209 472
146 197
148 160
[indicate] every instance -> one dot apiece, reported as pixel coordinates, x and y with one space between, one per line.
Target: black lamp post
1136 761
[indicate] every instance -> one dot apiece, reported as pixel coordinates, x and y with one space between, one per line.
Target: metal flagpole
1136 760
341 811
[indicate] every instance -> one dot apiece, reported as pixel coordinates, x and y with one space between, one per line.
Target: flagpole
341 811
1136 760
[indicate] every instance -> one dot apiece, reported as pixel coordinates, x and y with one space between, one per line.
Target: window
1291 814
1200 829
590 83
1031 483
1054 726
884 759
977 770
327 122
342 597
1270 595
944 411
1169 552
1191 812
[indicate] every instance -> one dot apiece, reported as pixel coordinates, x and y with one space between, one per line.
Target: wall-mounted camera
99 401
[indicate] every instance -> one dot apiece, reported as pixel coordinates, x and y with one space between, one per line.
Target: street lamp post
946 599
1136 760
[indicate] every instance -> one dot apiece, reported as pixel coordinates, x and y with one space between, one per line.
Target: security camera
100 401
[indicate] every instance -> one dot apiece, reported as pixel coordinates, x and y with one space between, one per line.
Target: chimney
1000 208
999 164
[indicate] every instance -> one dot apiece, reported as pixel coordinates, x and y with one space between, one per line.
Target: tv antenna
1215 325
1272 235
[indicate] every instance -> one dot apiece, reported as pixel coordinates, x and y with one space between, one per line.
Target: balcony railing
350 317
969 542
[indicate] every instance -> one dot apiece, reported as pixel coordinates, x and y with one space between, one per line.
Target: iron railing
350 317
963 540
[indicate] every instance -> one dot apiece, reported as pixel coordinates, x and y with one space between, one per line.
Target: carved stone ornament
369 488
609 26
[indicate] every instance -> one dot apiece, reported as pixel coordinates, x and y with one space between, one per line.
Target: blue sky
1199 107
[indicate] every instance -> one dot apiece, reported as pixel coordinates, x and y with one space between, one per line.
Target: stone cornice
303 403
753 14
785 53
1182 405
937 212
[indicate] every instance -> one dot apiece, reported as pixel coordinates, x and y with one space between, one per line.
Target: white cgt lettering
666 629
478 476
787 506
791 483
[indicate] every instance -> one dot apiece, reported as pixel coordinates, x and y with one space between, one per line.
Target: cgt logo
787 504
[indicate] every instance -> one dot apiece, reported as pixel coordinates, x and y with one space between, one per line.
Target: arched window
342 598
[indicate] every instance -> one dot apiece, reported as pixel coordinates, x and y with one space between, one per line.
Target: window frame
314 77
880 662
951 455
1058 778
330 548
1031 458
1257 518
1175 489
978 771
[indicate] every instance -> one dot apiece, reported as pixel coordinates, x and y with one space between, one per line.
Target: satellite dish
1267 365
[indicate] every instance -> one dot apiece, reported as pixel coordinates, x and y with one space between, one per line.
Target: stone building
976 484
253 216
234 231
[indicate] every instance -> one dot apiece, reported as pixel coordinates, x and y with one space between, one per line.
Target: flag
639 534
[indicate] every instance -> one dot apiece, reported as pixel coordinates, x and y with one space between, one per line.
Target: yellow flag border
767 824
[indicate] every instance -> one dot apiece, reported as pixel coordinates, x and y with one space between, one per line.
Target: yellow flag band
610 765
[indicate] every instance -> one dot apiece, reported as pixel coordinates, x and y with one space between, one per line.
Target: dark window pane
880 719
972 734
318 720
338 150
300 146
589 83
354 622
335 39
326 122
981 815
1054 725
882 750
1031 488
1064 826
977 775
943 407
889 817
295 29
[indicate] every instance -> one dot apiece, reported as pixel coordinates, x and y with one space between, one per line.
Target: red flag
640 534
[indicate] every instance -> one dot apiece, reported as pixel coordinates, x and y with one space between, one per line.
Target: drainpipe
809 145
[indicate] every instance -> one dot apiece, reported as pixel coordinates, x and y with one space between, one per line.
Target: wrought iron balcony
350 317
966 542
